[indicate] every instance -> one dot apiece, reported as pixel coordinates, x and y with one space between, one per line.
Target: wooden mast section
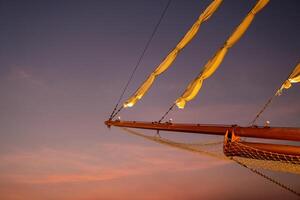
278 133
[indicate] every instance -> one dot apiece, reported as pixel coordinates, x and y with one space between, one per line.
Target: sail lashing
293 78
212 65
169 59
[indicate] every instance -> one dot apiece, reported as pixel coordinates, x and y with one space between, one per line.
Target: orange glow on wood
279 133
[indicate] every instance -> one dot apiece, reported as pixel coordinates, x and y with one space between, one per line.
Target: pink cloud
49 166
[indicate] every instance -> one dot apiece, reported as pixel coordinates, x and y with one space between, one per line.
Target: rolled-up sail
293 78
169 59
211 66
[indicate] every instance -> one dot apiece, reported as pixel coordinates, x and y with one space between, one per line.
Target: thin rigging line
266 104
262 110
166 113
268 178
113 114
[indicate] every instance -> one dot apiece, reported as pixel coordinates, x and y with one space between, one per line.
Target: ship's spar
278 133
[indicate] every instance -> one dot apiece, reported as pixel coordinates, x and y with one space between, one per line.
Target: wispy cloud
18 73
49 166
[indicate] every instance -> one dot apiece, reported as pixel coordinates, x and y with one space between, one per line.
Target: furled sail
169 59
293 78
213 64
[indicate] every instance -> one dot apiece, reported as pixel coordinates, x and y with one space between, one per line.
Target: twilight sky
64 63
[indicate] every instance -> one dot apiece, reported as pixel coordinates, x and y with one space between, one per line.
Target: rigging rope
268 178
262 110
166 113
271 99
114 113
183 146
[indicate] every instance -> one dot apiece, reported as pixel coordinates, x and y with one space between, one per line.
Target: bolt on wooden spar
278 133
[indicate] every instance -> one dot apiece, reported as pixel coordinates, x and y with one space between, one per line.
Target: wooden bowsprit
278 133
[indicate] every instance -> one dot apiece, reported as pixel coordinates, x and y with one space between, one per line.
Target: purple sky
63 65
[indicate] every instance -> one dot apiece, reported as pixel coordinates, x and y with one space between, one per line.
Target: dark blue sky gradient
63 65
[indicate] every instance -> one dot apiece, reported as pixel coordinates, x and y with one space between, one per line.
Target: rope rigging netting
114 112
242 154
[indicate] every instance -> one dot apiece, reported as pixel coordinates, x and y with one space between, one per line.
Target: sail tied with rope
170 58
293 78
212 65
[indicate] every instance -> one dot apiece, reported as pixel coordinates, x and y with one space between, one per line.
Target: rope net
258 158
233 150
